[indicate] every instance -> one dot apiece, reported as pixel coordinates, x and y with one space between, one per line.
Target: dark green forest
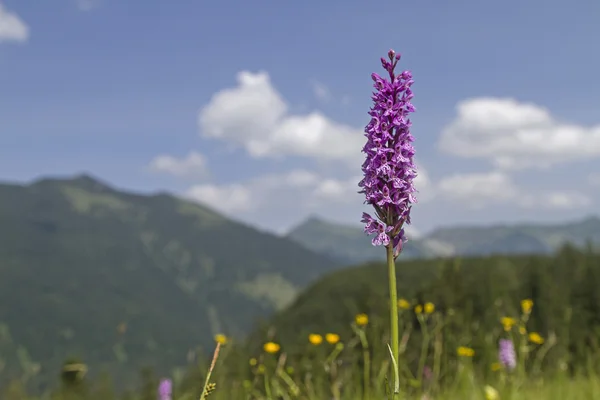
470 295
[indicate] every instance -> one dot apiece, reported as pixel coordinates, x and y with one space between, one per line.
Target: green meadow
331 342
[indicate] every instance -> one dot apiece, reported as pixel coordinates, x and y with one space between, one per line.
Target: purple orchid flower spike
506 354
389 170
165 389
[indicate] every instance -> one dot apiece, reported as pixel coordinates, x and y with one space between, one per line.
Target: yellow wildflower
508 323
253 361
429 308
361 319
332 338
403 304
522 330
220 338
526 306
315 339
496 366
271 347
536 338
465 351
260 369
490 393
418 309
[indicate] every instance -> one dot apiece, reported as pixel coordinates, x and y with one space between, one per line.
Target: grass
434 364
359 369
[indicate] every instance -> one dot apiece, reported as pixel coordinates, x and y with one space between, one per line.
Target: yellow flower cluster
526 306
508 323
427 308
271 347
536 338
315 339
361 319
403 304
465 351
221 339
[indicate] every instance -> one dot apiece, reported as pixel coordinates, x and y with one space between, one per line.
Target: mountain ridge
349 244
81 258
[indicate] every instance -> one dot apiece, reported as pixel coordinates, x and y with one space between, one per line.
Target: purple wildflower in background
389 170
506 354
165 389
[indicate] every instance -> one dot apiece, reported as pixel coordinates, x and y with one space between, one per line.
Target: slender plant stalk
395 339
267 387
366 372
360 332
424 349
205 390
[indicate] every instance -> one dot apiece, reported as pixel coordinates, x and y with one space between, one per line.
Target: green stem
395 339
366 374
267 387
366 362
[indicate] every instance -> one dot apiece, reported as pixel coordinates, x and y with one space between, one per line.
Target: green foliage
473 293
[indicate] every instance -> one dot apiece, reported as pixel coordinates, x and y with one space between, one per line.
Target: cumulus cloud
515 135
12 27
255 116
229 199
282 199
194 164
294 189
479 190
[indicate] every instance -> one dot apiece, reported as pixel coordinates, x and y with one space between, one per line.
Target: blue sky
257 108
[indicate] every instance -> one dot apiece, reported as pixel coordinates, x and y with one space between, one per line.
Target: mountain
346 243
121 279
350 245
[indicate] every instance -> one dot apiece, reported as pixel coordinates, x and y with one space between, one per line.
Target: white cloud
255 116
564 200
87 5
282 198
423 185
516 135
321 91
194 164
479 190
12 28
229 199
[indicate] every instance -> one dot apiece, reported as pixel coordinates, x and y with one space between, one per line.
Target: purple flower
507 354
165 389
389 170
